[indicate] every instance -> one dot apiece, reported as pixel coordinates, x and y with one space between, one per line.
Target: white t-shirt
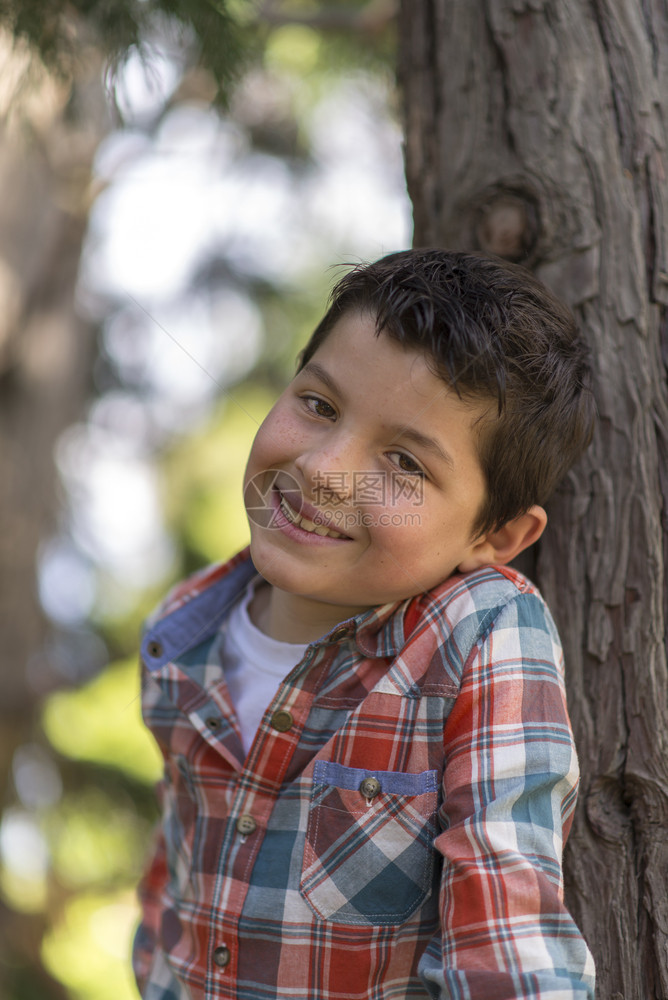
254 665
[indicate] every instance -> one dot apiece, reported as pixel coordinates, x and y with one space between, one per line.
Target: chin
273 568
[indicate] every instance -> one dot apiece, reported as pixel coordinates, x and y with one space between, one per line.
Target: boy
369 769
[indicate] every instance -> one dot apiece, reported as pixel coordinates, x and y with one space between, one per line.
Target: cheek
278 442
253 462
405 526
265 448
397 544
416 546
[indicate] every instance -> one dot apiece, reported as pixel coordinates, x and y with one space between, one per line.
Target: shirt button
282 720
155 649
339 633
370 788
246 825
213 722
221 956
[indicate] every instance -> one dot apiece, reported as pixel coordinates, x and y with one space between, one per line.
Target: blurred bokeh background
176 187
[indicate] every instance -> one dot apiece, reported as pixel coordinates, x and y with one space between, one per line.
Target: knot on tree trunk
506 222
606 809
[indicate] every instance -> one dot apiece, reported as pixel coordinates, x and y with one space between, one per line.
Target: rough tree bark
536 129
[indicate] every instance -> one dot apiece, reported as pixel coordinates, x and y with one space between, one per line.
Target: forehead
360 353
382 354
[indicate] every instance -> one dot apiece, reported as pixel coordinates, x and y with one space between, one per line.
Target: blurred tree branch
60 31
223 33
370 18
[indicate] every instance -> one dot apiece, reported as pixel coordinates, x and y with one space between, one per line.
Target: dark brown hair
491 331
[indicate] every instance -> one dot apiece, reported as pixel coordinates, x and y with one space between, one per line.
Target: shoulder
472 602
469 611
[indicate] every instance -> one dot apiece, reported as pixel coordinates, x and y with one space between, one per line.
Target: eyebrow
313 368
424 441
397 430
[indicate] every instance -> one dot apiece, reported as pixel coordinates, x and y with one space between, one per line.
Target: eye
320 407
406 463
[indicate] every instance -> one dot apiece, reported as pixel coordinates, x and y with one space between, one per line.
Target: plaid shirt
396 829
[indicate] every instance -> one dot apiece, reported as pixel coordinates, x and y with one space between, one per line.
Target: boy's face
366 440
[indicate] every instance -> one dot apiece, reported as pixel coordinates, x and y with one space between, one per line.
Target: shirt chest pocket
369 855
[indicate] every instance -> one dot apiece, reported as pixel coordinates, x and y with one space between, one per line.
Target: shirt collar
198 610
195 611
380 631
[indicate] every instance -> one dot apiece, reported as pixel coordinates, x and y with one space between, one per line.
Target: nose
328 469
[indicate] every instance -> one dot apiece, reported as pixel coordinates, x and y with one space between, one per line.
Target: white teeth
303 522
291 514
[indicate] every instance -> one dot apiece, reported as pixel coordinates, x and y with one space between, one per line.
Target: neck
292 618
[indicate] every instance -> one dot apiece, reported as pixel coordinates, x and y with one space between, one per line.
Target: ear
502 545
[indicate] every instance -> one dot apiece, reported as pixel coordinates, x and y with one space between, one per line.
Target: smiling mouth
302 522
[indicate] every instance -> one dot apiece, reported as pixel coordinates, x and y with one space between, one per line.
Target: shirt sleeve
149 893
154 879
510 785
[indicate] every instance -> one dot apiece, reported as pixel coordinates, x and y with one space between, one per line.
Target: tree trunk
536 129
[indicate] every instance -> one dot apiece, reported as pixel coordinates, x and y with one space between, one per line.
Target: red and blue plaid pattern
396 830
